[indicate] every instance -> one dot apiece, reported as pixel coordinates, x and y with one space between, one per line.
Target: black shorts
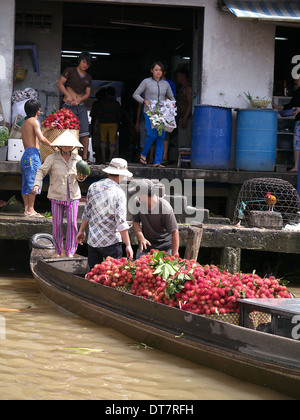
97 255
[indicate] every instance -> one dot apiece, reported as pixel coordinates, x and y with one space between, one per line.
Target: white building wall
7 35
238 56
48 43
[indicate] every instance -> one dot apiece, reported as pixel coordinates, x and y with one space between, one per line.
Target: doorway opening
286 53
124 41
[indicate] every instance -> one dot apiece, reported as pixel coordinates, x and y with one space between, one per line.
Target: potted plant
257 102
4 135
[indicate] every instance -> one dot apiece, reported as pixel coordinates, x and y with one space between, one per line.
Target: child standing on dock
31 159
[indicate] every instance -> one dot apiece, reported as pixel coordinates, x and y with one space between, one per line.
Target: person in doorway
140 125
184 108
168 135
294 103
31 158
155 224
157 89
171 83
95 126
75 84
107 114
64 191
105 214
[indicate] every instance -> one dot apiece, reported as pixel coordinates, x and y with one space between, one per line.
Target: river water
49 354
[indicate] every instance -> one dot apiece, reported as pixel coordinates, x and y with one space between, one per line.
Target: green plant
256 102
248 96
4 136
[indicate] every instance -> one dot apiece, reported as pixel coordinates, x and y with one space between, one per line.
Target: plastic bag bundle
22 95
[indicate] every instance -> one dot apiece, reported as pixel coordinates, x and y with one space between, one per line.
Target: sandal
164 162
159 165
143 161
35 215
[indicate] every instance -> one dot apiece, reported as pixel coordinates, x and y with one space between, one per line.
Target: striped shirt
106 212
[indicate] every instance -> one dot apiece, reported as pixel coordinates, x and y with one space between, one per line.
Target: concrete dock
229 239
219 185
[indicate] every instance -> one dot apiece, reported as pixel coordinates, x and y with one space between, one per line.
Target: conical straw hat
66 139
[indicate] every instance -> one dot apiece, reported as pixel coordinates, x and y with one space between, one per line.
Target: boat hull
249 355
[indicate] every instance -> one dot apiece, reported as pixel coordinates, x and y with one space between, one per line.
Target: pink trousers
58 209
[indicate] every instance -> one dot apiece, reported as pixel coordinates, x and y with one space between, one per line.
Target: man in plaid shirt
105 214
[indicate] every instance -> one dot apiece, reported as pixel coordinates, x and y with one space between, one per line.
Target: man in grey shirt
159 228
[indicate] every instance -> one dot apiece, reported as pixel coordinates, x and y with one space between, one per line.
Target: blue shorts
81 113
30 163
297 136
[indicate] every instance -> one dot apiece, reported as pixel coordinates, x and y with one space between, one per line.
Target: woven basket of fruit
186 285
63 120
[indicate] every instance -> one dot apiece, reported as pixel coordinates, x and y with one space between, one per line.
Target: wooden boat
250 355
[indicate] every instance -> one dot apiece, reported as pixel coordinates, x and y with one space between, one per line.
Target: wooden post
193 242
231 259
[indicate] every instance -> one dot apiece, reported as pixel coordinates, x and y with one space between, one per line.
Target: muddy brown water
47 353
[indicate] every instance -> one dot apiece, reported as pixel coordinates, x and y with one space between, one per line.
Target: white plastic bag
162 115
18 108
19 97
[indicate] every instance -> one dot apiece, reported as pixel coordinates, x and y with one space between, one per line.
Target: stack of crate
184 157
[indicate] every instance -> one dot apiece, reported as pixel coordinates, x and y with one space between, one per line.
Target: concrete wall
238 56
48 43
7 24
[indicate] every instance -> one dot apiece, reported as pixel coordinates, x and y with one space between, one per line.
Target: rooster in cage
271 200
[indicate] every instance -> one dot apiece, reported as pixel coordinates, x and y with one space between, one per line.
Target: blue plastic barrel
256 139
211 137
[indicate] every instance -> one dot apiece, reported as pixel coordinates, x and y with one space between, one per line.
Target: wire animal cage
253 197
